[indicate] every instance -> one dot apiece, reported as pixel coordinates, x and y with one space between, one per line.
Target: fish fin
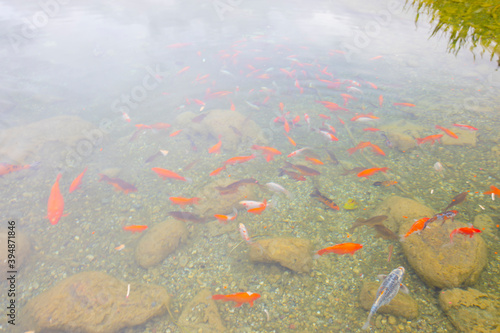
316 256
402 238
238 305
189 180
404 289
381 277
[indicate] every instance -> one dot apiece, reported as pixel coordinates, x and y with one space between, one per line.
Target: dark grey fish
384 232
457 200
372 221
387 291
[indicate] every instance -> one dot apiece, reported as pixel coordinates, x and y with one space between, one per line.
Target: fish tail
189 180
315 193
34 165
402 238
367 323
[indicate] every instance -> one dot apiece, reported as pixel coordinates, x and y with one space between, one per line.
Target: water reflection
473 24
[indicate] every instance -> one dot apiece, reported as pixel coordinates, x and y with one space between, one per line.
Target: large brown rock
201 314
471 310
49 139
399 210
402 305
233 127
93 302
292 253
158 242
21 252
441 264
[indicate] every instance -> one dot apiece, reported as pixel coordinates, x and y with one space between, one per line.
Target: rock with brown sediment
39 141
465 138
440 263
233 127
471 310
93 302
399 210
201 314
160 241
403 305
292 253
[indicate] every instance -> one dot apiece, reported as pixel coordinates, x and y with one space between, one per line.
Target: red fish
344 248
380 100
224 218
416 227
55 206
164 174
493 190
239 159
371 129
184 201
332 106
404 104
468 231
371 171
268 152
8 168
239 298
430 138
217 171
135 228
347 97
376 149
77 182
361 145
447 131
160 126
119 184
467 127
175 133
215 149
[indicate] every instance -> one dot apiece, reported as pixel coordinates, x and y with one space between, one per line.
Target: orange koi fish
344 248
217 171
447 131
160 126
430 138
55 206
373 85
380 100
135 228
329 135
215 149
493 190
184 201
418 226
268 152
183 70
244 234
347 97
119 184
467 127
239 298
6 168
376 149
314 160
468 231
316 194
292 142
175 133
239 159
325 116
371 171
225 218
259 209
403 104
364 117
332 106
142 126
297 152
361 145
77 182
286 126
164 174
371 129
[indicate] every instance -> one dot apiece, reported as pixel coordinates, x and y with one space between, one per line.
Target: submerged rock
233 127
402 305
93 302
400 210
201 314
158 242
442 264
471 310
292 253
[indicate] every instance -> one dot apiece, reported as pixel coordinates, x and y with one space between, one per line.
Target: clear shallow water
96 61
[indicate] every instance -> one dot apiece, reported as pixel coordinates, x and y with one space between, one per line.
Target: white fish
251 204
244 233
277 188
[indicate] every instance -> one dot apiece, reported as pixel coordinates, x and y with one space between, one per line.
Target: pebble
89 257
392 320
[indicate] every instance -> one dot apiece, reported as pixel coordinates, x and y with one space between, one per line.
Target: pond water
160 106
